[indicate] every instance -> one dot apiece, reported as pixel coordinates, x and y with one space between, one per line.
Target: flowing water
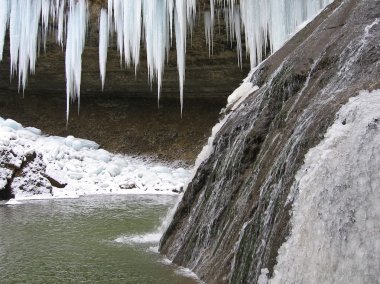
86 240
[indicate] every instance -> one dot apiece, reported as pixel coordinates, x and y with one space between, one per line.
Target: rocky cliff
235 214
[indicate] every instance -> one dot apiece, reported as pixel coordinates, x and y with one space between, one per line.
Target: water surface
73 240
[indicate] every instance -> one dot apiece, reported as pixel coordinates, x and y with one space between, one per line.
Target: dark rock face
235 214
23 172
31 178
131 102
9 163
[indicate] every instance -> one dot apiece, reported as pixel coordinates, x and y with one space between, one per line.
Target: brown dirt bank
121 124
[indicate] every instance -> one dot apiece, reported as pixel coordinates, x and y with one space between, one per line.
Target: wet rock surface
235 214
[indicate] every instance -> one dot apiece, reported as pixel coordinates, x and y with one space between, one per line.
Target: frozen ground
36 166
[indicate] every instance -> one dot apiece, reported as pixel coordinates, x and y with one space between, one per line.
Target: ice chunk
12 124
113 170
101 155
76 176
34 130
27 134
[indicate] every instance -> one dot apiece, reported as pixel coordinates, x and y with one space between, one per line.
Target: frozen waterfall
153 24
335 213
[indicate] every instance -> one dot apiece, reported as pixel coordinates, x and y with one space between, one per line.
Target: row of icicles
157 23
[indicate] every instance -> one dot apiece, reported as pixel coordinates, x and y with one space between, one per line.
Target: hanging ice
103 44
24 23
155 24
3 24
209 31
28 22
76 34
265 22
60 11
180 34
157 19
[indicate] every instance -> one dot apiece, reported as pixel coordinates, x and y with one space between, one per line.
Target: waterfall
259 207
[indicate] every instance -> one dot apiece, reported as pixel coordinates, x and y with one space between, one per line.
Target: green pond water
98 239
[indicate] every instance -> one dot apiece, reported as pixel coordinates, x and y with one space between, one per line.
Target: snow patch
240 94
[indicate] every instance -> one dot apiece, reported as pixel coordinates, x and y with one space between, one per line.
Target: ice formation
335 234
265 23
157 19
154 24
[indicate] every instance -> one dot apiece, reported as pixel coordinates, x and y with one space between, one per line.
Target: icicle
237 26
14 32
103 44
209 31
180 33
119 25
45 13
156 39
61 9
76 33
4 15
24 25
132 32
110 14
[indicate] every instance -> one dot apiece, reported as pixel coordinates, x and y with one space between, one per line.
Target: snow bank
81 167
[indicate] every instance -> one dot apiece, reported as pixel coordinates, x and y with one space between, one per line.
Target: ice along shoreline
36 166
